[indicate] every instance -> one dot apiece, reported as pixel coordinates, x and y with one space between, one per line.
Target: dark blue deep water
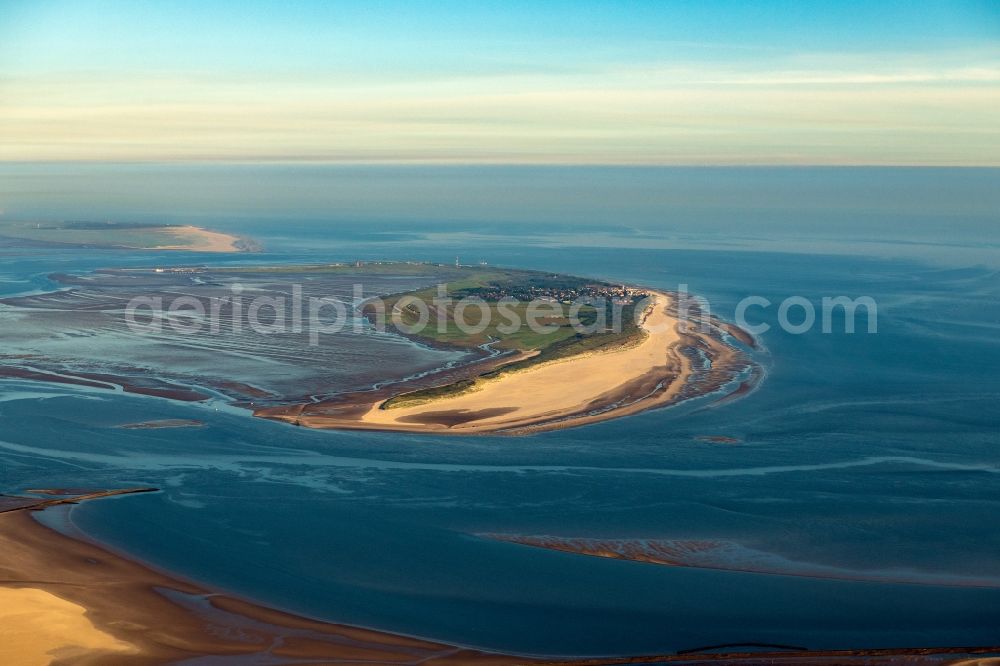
859 452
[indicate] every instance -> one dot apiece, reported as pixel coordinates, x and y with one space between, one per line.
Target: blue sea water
862 452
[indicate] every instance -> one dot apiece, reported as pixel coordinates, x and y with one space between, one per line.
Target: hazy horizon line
495 163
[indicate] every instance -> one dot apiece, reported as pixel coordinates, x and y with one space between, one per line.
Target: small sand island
121 236
729 555
162 424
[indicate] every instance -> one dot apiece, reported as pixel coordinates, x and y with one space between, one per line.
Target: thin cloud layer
416 88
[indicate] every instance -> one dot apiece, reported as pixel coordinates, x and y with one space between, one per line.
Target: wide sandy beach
36 626
576 388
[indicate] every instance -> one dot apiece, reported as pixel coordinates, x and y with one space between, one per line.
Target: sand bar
200 240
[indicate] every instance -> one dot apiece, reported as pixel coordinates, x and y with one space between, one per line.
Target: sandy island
200 240
122 236
586 388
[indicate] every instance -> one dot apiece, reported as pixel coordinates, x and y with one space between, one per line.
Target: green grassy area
445 328
92 234
489 286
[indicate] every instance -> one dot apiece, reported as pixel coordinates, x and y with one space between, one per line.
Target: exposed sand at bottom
203 240
37 626
137 616
551 390
159 620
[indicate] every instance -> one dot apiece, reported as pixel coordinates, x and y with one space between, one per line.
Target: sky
581 82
